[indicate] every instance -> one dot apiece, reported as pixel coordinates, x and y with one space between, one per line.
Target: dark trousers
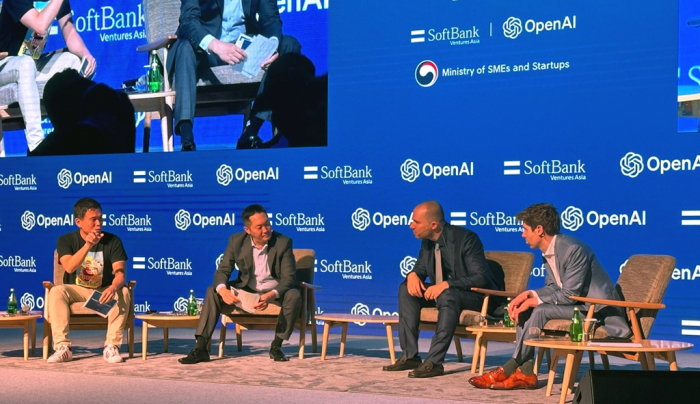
186 66
214 306
449 304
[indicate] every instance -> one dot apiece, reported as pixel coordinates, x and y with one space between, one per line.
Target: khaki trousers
62 296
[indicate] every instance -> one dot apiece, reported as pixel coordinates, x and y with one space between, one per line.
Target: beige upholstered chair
223 91
267 319
642 285
81 318
516 268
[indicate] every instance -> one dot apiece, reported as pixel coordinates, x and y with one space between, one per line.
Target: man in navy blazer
206 38
572 270
462 265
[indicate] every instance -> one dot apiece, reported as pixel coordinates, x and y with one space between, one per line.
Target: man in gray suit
266 266
572 270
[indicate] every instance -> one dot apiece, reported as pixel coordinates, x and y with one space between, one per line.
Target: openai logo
28 220
572 218
410 170
182 219
27 300
426 73
180 304
360 309
512 27
631 164
407 265
65 178
623 265
360 219
224 175
218 260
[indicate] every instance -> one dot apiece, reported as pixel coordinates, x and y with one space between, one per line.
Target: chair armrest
620 303
310 286
48 285
3 55
131 284
491 292
157 44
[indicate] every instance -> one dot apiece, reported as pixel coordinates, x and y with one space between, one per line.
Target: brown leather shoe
518 380
487 379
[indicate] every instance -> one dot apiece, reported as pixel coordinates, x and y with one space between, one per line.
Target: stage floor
249 376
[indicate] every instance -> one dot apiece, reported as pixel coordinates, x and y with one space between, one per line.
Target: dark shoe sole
515 388
184 361
394 368
279 359
425 375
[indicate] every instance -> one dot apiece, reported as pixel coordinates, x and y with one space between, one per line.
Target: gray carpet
355 378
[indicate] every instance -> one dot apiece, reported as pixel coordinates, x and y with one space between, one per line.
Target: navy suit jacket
469 265
199 18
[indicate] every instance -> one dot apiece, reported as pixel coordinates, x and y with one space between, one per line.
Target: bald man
462 266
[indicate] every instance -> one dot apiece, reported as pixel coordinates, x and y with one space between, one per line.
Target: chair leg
302 338
476 350
130 339
458 348
165 339
46 343
239 338
222 339
146 131
314 331
482 354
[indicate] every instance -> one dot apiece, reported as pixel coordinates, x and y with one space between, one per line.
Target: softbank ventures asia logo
171 266
66 178
18 263
171 178
633 164
555 169
183 220
363 310
128 23
347 269
513 26
131 221
300 221
29 220
362 219
572 218
500 221
19 182
225 174
411 170
452 35
349 175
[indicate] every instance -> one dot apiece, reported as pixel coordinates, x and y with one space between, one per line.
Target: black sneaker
196 355
277 355
403 364
427 369
188 146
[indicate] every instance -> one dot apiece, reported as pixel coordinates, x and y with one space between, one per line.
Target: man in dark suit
453 258
206 38
572 270
266 266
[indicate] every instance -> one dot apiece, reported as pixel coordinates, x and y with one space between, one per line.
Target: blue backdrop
529 101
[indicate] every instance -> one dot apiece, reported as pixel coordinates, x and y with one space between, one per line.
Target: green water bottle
576 327
507 321
155 75
12 303
191 304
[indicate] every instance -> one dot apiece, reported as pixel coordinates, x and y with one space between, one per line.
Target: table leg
650 361
552 372
574 371
672 360
33 335
570 359
165 339
390 339
26 340
146 131
538 359
144 339
343 336
482 354
324 342
477 348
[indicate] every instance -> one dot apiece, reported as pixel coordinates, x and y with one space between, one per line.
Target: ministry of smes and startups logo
631 165
361 219
426 73
224 175
182 219
410 170
512 27
572 218
406 265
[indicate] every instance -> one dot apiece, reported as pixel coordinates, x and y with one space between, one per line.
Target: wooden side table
573 351
164 321
25 321
159 106
484 334
342 320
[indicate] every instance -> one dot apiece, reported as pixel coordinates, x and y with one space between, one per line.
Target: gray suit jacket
239 252
582 275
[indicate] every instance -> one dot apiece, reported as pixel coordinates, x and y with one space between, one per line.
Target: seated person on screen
572 270
206 38
92 260
453 258
266 266
16 18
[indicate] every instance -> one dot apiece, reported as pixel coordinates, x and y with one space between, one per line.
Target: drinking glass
534 333
589 325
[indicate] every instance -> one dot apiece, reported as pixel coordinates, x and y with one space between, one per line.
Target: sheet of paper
259 50
248 300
